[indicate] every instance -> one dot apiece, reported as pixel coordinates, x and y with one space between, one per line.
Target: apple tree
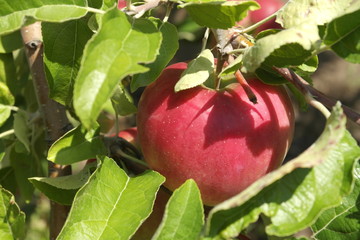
204 158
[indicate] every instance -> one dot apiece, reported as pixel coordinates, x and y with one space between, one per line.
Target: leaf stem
95 10
169 6
318 105
131 158
256 25
7 133
205 39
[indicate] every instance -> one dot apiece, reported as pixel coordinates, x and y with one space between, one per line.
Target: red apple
121 4
130 135
218 138
268 7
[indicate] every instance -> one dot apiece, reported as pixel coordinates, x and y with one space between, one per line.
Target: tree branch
53 114
305 88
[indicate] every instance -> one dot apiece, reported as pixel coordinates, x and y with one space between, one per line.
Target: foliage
96 57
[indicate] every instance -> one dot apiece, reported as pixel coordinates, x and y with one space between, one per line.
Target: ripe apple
121 4
130 135
218 138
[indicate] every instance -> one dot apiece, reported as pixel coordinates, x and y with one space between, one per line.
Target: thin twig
256 25
305 88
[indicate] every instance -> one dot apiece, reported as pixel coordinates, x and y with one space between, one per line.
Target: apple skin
218 138
268 7
121 4
130 135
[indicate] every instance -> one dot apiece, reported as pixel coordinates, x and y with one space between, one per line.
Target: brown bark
53 114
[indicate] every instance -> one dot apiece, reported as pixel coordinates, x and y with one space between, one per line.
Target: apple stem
306 89
245 85
256 25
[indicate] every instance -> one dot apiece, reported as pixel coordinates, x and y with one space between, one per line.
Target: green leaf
76 145
311 12
184 214
15 14
341 222
168 48
308 67
7 69
111 205
197 72
25 167
288 47
299 96
21 81
64 44
12 220
63 189
343 36
123 102
229 71
293 196
10 42
266 74
7 179
110 55
218 14
6 100
21 128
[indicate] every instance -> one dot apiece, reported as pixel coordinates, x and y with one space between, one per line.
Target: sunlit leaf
6 100
12 219
76 145
168 48
184 214
197 71
14 14
341 222
111 205
218 14
63 189
311 12
288 47
110 55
